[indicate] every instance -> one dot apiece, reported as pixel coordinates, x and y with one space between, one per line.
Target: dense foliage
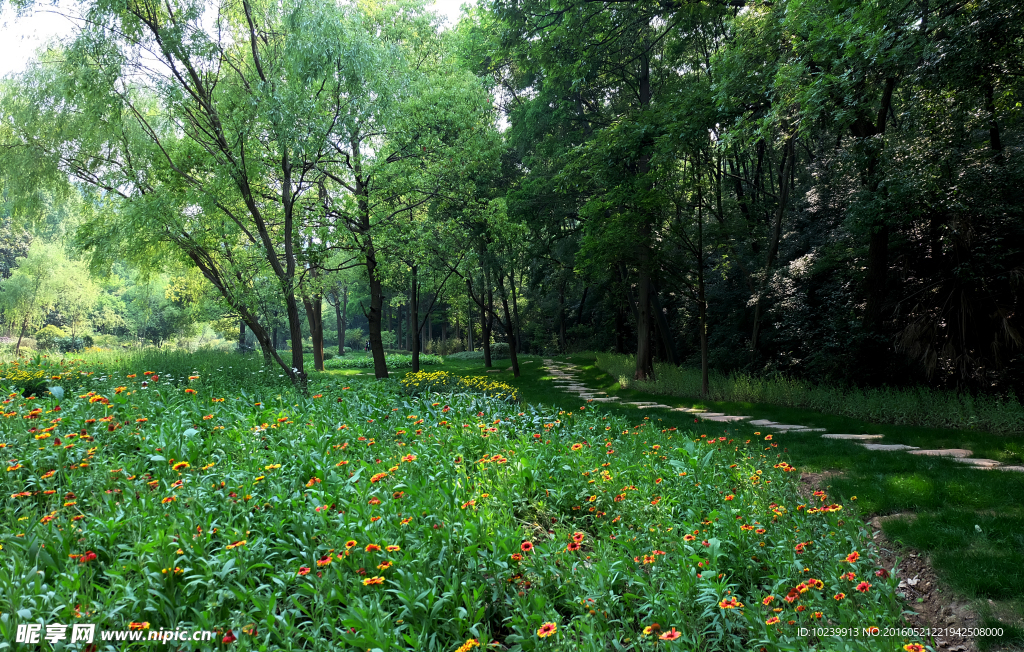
361 517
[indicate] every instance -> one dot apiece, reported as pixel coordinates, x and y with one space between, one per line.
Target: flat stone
640 403
979 462
853 437
604 400
726 418
690 410
494 371
944 452
786 426
656 405
712 414
763 422
889 447
1018 469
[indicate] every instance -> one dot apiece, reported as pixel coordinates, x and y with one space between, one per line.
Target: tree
32 289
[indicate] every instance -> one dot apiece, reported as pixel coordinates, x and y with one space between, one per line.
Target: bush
69 344
499 351
393 360
48 335
328 355
442 382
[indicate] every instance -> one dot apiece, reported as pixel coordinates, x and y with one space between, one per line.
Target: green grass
948 497
920 406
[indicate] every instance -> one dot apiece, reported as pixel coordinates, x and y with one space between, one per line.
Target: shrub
47 336
393 360
442 382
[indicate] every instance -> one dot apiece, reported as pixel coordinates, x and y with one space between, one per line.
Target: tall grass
920 406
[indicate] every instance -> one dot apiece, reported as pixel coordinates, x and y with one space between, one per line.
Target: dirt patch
932 605
811 482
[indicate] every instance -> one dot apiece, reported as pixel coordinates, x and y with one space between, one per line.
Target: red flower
881 572
87 557
547 629
304 570
526 546
863 587
229 638
853 556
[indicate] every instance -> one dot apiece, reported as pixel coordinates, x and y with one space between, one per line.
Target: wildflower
137 627
881 572
730 603
378 477
863 587
386 565
547 629
670 635
853 556
169 499
914 647
372 547
468 645
517 557
373 580
190 391
688 537
839 596
572 546
768 600
87 557
324 561
730 497
774 620
180 465
229 638
578 537
236 544
393 548
526 546
576 447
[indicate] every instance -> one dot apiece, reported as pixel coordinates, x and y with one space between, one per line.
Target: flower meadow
361 517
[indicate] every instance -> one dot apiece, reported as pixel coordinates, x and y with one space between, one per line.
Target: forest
827 190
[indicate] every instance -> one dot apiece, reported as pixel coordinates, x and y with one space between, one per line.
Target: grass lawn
970 521
367 515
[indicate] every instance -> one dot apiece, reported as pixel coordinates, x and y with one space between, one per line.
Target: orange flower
670 635
839 596
547 629
730 603
576 447
169 499
373 580
385 565
324 561
863 587
768 600
572 546
914 647
853 556
378 477
772 621
393 548
526 546
190 391
180 465
304 570
688 537
372 547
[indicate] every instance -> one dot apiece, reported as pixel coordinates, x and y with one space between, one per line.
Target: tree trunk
489 320
509 328
414 320
373 317
314 315
21 335
702 299
469 329
644 362
620 330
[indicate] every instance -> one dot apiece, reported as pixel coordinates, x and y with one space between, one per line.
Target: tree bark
373 317
241 336
414 319
509 328
314 315
702 299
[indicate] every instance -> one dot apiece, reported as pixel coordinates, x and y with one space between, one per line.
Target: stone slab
1019 469
604 400
944 452
726 418
690 410
494 371
712 414
889 447
657 405
853 437
979 462
763 422
640 403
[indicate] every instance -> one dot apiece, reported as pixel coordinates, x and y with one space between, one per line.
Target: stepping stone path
565 380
